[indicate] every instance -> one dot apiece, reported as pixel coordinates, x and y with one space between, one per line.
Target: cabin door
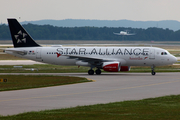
152 54
38 53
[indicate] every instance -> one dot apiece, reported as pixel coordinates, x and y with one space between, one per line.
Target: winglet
19 35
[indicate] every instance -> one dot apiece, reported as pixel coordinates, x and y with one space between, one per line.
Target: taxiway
108 87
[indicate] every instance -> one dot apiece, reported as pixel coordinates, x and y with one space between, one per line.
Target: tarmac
106 88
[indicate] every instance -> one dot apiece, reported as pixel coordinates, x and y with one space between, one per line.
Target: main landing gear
98 72
91 72
152 70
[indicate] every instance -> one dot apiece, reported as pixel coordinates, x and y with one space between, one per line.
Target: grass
42 68
161 108
9 57
16 82
168 68
47 68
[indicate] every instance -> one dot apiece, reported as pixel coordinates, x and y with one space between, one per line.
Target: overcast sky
137 10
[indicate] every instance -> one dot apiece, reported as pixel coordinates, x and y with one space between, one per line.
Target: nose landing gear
152 72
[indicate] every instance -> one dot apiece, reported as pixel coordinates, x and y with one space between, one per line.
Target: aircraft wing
87 58
91 60
116 33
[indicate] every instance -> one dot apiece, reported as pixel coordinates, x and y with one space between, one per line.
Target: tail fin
19 35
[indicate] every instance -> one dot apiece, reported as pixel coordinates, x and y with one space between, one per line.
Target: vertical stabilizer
19 35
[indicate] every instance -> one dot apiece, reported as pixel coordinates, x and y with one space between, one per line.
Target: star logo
21 37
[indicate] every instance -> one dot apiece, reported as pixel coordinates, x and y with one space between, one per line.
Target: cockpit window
163 53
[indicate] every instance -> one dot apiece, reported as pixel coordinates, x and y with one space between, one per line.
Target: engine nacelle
115 67
111 66
125 68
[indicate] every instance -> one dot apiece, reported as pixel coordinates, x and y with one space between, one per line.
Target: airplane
123 33
111 59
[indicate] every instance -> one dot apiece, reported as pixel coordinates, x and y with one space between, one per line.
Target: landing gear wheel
153 73
91 72
152 68
98 72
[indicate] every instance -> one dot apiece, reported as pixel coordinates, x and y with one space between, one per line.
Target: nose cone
173 59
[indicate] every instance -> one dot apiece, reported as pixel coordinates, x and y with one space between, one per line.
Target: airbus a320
111 59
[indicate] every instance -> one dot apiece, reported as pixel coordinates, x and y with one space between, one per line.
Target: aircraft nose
174 59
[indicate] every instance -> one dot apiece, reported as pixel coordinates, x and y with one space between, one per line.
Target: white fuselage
127 56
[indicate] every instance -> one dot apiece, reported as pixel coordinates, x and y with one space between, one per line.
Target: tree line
49 32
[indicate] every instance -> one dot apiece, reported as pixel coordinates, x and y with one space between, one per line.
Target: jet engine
115 67
111 66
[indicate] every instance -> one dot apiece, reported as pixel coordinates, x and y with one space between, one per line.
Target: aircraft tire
91 72
153 73
98 72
